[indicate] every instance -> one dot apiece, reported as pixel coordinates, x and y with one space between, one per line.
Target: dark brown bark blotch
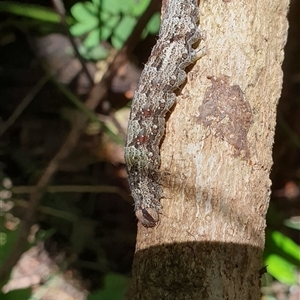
229 116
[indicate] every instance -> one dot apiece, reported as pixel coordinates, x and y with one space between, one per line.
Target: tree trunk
216 158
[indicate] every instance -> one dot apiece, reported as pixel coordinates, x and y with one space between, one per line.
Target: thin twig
60 9
24 103
89 113
37 194
289 131
52 189
48 210
119 127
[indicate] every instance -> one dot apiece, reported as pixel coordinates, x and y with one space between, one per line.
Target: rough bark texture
216 159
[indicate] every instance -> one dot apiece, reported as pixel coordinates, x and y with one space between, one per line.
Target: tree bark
215 161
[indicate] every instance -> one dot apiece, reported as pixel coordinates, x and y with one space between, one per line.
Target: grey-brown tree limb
216 158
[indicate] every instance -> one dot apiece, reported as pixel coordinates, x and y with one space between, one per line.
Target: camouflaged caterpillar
163 74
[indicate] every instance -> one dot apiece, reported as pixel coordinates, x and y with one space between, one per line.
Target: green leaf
117 43
115 288
86 15
82 28
105 33
111 22
84 11
30 11
122 32
287 245
97 3
93 38
140 7
96 53
281 269
114 6
154 24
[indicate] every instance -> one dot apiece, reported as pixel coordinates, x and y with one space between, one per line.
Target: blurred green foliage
102 20
115 287
23 294
282 257
93 22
